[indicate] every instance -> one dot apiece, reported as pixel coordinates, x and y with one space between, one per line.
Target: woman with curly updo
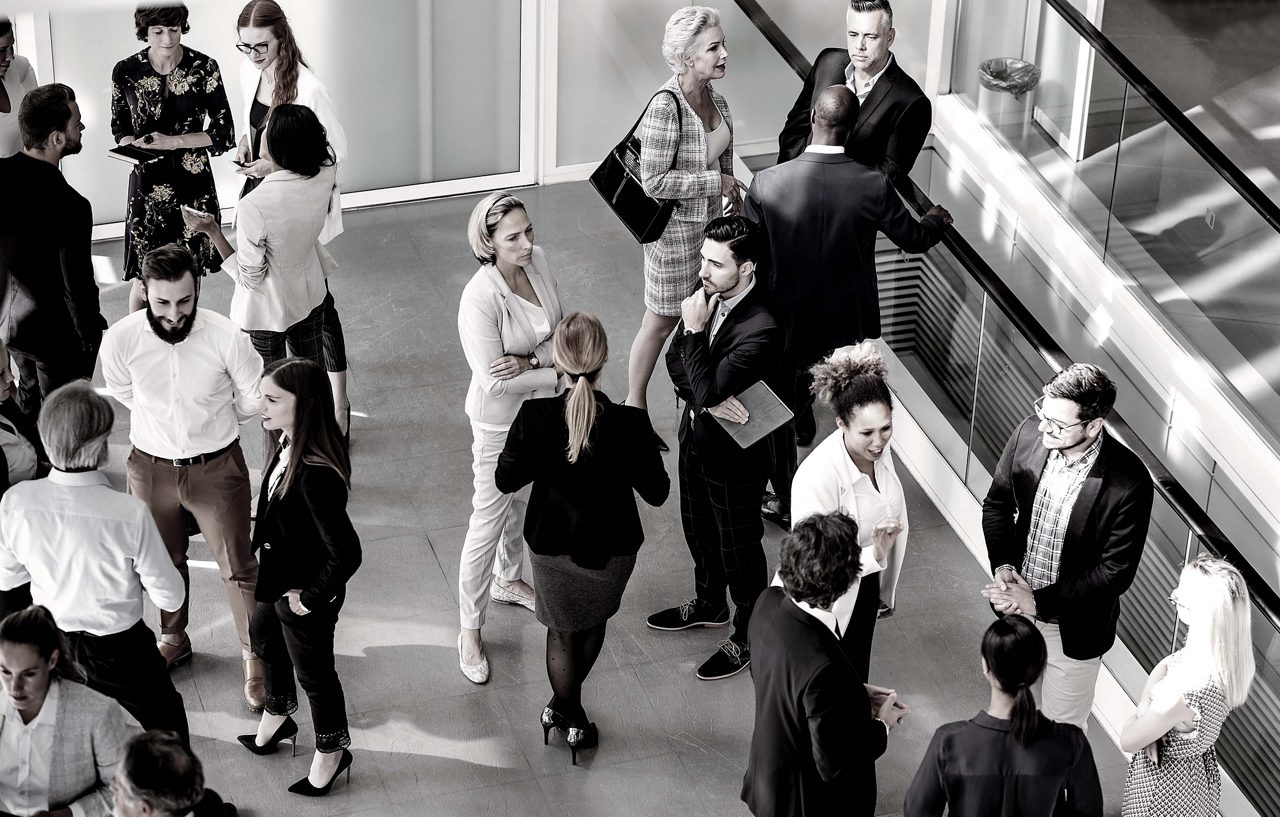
852 471
171 99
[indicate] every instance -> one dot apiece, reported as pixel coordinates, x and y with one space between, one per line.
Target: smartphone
239 163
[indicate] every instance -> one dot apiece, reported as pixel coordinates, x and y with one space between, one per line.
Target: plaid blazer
672 128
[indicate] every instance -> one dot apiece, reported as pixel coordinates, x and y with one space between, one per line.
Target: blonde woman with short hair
1172 733
585 457
505 319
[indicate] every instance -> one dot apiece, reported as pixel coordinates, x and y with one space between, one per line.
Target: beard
173 336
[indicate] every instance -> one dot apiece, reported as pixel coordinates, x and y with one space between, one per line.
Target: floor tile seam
586 767
531 779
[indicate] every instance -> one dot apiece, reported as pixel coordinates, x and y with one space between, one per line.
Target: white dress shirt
725 307
836 619
26 750
18 453
863 89
186 398
832 149
88 550
18 80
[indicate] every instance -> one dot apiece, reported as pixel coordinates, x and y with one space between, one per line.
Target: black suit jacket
820 213
585 509
892 124
747 348
305 539
49 300
815 742
1105 535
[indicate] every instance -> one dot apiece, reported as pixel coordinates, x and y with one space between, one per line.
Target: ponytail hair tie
591 375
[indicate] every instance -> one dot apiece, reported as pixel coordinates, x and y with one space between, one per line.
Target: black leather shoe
581 738
731 659
686 615
771 510
551 719
286 731
305 788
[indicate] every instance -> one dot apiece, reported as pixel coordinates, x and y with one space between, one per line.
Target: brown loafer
255 688
175 655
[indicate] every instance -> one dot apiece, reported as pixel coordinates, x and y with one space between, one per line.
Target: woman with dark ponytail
1008 759
585 456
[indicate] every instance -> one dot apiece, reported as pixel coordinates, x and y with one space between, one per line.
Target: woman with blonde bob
585 456
506 316
1174 769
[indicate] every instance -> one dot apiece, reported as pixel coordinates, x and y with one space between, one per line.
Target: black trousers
856 639
304 339
128 667
335 345
11 601
40 374
720 513
782 442
287 642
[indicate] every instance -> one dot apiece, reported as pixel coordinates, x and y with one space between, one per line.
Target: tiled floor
426 741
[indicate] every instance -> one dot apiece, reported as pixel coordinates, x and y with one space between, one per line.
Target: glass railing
1158 200
977 354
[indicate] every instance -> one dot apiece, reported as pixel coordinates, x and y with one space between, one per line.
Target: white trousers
1065 691
495 535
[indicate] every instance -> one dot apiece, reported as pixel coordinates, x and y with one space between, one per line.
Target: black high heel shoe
551 719
286 731
305 788
581 738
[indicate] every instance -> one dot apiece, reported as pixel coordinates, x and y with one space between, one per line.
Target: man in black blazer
819 214
818 728
727 342
1065 522
49 312
894 115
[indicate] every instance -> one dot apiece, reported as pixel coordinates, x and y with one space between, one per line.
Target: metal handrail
1166 484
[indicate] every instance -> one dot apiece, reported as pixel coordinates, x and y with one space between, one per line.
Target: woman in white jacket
275 73
506 319
852 470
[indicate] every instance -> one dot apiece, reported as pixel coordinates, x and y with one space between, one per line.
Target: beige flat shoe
476 673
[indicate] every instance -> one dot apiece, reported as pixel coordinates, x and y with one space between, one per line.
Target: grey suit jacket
90 731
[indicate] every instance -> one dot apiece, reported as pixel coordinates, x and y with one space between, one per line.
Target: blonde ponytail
580 348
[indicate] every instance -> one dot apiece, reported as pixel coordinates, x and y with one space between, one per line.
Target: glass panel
387 99
978 40
1147 619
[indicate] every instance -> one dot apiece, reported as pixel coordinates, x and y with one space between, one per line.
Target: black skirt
569 597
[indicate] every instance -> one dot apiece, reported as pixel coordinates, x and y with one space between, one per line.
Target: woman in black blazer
307 552
585 456
1008 759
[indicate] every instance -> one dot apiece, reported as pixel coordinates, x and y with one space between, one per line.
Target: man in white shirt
89 553
189 377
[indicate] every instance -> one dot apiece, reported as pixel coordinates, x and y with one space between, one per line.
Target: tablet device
765 413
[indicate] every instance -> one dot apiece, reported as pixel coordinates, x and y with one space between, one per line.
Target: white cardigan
490 327
280 265
824 483
313 94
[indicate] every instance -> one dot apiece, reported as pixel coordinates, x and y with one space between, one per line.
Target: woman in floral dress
161 98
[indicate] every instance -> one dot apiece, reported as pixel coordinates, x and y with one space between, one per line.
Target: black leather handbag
617 180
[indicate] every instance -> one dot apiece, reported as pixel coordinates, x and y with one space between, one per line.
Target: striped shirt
1060 484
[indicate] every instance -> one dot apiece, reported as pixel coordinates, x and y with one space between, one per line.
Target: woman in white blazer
275 73
16 79
853 471
70 734
279 264
508 313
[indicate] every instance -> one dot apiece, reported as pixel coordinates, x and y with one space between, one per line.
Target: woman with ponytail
1008 759
275 74
852 471
44 690
585 456
1174 769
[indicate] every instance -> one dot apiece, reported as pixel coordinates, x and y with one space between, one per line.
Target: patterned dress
1185 782
143 102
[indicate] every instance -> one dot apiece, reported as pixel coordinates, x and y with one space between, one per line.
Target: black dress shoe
286 731
771 510
731 659
581 738
686 615
305 788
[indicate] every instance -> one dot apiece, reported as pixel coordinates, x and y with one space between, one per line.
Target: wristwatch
533 360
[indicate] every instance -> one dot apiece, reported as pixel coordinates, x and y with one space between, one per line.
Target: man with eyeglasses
1065 522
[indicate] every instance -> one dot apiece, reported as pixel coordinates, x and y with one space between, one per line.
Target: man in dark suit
728 342
894 116
1065 522
819 214
49 304
818 728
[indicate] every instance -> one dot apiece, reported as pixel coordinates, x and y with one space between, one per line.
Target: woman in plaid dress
1174 769
691 125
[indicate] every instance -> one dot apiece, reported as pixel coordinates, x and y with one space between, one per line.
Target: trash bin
1003 94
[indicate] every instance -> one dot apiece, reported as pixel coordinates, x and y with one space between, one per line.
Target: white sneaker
504 595
476 673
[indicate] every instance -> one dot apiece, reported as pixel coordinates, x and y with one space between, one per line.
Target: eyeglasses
1056 428
1177 604
260 49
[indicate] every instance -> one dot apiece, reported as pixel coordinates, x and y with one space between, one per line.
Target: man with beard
190 377
48 299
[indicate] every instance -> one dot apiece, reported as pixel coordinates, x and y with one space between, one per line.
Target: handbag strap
679 123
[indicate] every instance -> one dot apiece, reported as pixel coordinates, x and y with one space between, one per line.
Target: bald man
820 213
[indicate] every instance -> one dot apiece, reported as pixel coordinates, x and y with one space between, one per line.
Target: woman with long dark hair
279 264
275 73
43 685
1008 759
586 458
307 551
